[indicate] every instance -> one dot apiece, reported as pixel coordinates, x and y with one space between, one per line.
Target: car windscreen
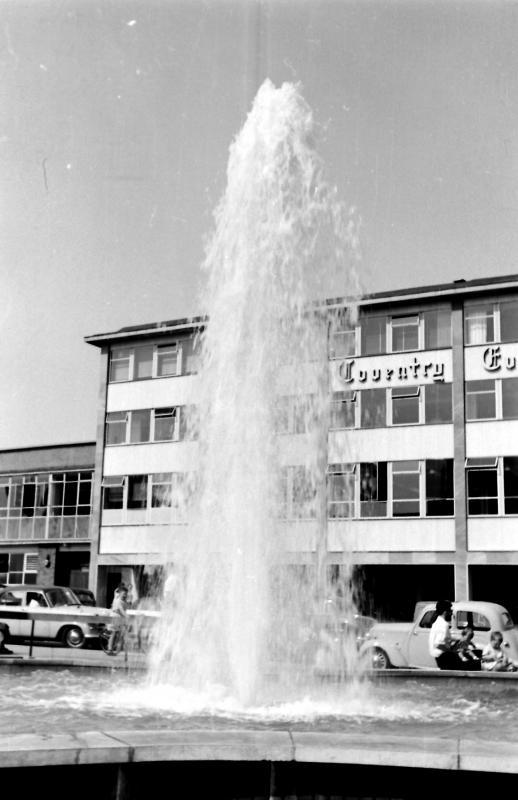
62 597
507 621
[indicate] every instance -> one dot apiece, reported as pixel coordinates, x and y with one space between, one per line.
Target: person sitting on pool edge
440 643
4 651
493 657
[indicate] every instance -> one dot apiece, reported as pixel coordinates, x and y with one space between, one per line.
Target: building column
95 521
459 451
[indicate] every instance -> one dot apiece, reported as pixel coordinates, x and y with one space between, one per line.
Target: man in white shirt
440 642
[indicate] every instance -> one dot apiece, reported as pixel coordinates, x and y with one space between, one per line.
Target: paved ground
74 657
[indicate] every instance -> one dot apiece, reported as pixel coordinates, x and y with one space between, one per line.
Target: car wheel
73 637
379 659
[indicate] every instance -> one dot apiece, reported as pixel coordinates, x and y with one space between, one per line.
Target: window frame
394 323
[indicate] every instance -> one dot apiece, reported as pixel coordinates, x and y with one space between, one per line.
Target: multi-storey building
45 514
422 474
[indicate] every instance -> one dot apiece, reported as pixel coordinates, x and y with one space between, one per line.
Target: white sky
115 123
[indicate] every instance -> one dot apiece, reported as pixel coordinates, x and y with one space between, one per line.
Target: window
509 398
482 486
120 364
405 333
168 359
511 485
480 400
373 489
473 620
161 489
143 362
342 336
405 488
343 410
116 427
405 405
428 619
509 321
439 487
137 491
373 408
340 488
373 335
479 324
113 492
297 493
438 402
70 493
437 328
166 424
140 426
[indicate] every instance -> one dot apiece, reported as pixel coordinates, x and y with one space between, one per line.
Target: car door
12 601
418 652
36 601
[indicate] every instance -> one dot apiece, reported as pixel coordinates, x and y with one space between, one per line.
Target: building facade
45 514
422 473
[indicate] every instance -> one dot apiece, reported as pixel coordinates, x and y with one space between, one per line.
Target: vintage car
66 621
405 644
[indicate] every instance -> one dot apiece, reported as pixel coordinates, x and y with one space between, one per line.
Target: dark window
143 362
137 491
373 489
510 398
119 364
482 488
428 619
405 405
509 321
437 328
405 488
140 426
373 408
373 335
439 487
511 485
480 400
438 402
113 492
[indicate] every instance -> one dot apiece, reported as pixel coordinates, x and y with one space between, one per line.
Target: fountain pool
37 700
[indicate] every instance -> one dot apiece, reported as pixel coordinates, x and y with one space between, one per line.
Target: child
493 657
466 650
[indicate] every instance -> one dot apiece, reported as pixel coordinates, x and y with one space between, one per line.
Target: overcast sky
115 124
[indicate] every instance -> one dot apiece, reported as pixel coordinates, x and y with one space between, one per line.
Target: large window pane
340 488
137 491
482 488
480 400
119 364
405 405
438 402
167 359
511 485
113 492
405 333
437 328
143 367
343 407
161 490
165 424
439 487
116 427
479 324
510 398
373 335
509 321
373 489
140 426
373 408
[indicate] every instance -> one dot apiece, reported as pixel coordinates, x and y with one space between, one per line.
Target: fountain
243 610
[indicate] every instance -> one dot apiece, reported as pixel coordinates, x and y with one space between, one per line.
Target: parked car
405 644
65 623
85 596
